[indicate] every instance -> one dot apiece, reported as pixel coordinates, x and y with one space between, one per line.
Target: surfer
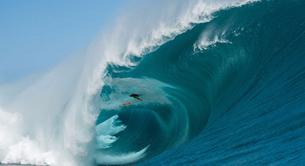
135 96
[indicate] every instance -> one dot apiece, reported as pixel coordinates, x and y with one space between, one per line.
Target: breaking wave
217 82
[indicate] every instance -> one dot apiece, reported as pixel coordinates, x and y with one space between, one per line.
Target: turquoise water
227 92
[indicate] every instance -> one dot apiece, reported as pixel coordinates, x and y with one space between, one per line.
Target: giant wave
222 82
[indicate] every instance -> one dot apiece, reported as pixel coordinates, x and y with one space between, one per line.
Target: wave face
235 83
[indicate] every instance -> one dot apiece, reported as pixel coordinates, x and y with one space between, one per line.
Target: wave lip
200 12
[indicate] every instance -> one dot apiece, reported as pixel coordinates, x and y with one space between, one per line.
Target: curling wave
235 80
218 81
177 83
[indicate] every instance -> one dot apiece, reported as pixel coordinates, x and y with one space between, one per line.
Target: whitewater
205 70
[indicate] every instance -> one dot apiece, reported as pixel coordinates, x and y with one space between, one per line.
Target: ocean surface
227 88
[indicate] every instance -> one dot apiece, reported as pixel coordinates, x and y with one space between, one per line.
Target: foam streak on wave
120 159
107 130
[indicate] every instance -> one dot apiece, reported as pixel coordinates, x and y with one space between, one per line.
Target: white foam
209 38
106 130
28 152
121 159
10 126
53 126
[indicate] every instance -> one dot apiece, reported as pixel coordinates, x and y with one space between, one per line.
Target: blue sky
35 35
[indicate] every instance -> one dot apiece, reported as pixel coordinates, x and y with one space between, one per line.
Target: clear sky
37 34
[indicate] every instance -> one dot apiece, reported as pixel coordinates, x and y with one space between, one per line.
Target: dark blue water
239 102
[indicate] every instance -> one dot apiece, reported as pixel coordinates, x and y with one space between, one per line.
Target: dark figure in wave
135 96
